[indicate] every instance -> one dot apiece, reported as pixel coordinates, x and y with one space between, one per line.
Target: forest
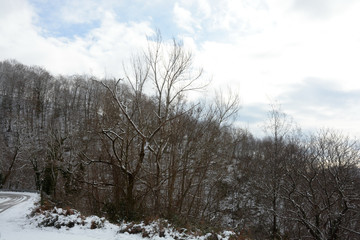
137 148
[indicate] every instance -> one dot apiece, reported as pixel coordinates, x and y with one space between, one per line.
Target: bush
58 218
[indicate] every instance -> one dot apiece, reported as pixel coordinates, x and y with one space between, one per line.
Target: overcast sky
304 54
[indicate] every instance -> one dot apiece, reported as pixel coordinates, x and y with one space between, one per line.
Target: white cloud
264 64
183 19
288 51
233 16
84 11
100 52
322 9
204 8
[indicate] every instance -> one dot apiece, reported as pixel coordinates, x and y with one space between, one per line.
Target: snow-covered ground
16 225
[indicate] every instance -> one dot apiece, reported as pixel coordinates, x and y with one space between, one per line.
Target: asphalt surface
8 200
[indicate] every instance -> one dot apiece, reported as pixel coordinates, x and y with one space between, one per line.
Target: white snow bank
15 224
161 229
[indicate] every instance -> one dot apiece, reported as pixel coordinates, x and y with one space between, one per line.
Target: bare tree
278 129
145 123
320 187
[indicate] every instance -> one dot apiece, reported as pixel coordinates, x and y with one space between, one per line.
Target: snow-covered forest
135 148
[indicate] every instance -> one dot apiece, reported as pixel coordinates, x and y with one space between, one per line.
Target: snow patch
68 218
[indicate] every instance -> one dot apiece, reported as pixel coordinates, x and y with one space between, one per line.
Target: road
7 200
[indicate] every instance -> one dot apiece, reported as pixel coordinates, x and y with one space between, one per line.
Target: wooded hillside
135 148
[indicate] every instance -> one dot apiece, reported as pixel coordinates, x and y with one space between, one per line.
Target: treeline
134 148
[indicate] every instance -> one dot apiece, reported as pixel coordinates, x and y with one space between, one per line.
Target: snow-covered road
8 200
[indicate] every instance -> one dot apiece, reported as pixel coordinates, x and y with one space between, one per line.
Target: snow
15 224
4 200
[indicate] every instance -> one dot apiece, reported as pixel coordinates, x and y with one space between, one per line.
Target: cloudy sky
303 54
